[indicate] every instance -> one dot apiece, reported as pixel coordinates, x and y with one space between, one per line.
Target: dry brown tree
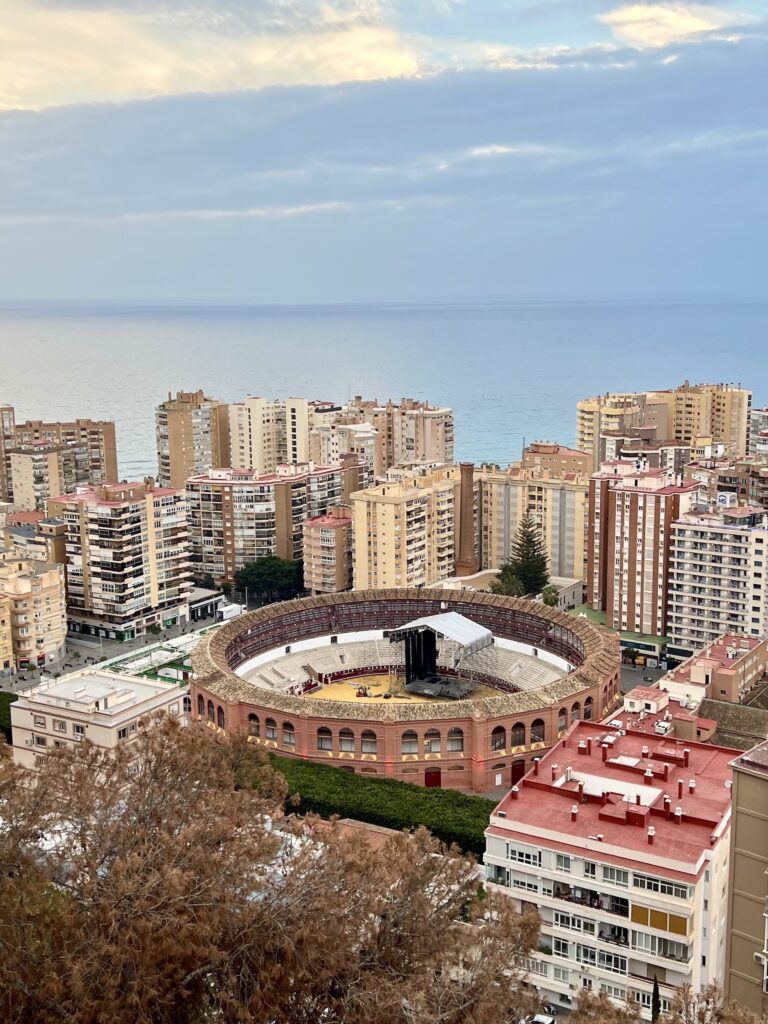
165 887
687 1007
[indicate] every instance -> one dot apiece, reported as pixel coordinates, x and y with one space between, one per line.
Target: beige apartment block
717 577
127 558
629 525
192 433
36 596
7 440
556 459
408 533
266 433
330 442
410 433
557 503
103 708
605 413
718 411
726 670
328 551
7 661
237 516
45 469
746 977
758 425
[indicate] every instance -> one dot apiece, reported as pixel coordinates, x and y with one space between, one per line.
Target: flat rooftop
754 761
726 652
105 692
618 785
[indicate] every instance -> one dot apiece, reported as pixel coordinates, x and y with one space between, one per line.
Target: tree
708 1007
550 596
161 885
599 1009
631 654
528 560
655 1001
271 578
507 583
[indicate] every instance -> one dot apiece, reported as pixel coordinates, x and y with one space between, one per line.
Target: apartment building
192 432
641 443
758 424
105 709
410 433
629 525
328 551
557 500
556 459
34 595
717 476
610 413
408 533
330 442
746 979
44 469
717 577
237 516
266 433
619 840
7 661
93 439
725 670
127 558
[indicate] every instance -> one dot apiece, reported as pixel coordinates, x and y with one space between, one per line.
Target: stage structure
420 638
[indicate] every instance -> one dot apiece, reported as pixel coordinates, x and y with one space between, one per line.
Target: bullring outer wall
229 703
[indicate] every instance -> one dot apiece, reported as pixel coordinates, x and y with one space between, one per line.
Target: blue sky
329 150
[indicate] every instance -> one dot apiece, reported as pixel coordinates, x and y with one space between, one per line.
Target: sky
291 151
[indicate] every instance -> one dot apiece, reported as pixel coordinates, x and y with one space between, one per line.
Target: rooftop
754 761
295 471
605 789
726 652
92 690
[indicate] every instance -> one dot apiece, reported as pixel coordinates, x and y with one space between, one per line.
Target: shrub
6 699
451 816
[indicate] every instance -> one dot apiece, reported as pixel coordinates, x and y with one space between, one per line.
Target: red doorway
432 778
518 771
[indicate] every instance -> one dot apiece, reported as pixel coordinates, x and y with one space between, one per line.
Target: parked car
543 1018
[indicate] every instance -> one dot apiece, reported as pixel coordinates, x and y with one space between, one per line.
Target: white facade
101 707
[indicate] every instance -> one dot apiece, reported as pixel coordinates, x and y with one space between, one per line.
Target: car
551 1009
543 1018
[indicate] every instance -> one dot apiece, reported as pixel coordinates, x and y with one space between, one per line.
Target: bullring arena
442 688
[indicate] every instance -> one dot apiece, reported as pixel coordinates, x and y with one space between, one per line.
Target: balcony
591 898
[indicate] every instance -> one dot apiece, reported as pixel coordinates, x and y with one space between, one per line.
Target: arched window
575 712
289 735
537 731
562 719
432 741
347 741
455 740
409 743
499 738
211 712
517 736
270 729
200 705
588 709
253 724
220 717
368 742
187 705
324 739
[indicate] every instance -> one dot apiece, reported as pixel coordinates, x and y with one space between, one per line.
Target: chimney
667 805
692 786
589 744
605 752
574 812
678 815
536 765
645 751
686 756
554 772
582 748
679 789
648 776
466 563
637 798
651 834
514 791
581 791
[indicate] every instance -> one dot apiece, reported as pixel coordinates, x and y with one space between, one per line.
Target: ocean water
512 371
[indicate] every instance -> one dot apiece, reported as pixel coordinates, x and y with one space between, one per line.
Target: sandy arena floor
377 687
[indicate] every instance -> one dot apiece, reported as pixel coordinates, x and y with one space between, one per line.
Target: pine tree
528 561
655 1001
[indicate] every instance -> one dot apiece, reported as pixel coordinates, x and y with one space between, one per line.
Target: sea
512 370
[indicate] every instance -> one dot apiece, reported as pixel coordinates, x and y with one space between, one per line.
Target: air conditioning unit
759 958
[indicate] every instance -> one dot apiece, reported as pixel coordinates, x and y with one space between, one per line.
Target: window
588 709
561 948
122 734
201 706
524 856
368 742
41 741
455 740
409 743
173 709
59 725
211 712
270 729
289 735
499 738
78 731
253 725
576 712
585 954
39 722
590 869
517 736
612 962
660 885
561 974
562 720
187 705
537 731
562 862
324 739
220 717
617 876
347 741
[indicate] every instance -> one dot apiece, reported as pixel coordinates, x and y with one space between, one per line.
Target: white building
104 708
620 842
717 578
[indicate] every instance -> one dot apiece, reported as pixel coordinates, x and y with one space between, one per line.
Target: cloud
61 54
657 25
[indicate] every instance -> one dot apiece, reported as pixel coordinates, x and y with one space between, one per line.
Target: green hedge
452 817
6 699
